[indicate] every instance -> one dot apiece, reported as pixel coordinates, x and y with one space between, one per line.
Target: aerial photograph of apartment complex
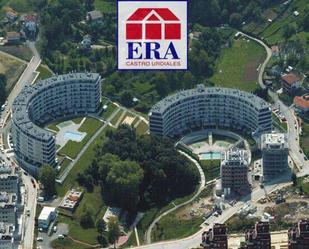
154 124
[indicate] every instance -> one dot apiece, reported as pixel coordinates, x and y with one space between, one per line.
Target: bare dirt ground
251 72
12 69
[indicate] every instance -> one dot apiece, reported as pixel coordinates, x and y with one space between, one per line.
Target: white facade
56 98
210 107
47 215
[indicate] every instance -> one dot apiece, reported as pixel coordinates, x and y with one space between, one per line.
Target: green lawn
105 6
111 107
65 163
211 169
273 34
277 123
91 201
67 244
142 128
237 66
116 117
44 73
81 165
173 227
72 148
304 139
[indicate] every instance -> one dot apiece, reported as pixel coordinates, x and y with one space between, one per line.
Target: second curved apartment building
205 107
48 100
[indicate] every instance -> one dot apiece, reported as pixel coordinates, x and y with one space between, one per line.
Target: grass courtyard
304 138
72 148
211 169
237 67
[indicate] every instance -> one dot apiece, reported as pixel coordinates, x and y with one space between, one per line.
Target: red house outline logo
153 24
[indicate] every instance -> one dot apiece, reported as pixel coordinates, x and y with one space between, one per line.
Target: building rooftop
95 15
20 108
302 102
6 231
12 35
236 155
290 78
46 212
201 90
7 199
274 140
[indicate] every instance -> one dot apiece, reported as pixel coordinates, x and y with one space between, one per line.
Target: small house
95 16
290 82
13 37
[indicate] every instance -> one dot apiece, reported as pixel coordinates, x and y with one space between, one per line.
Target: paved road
202 185
29 221
293 129
26 78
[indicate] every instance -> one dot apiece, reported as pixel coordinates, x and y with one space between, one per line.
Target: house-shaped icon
153 24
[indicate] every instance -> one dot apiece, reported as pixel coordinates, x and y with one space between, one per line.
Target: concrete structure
8 207
258 237
47 215
234 171
299 235
215 238
6 236
9 180
71 199
13 37
56 98
275 151
290 82
95 16
210 107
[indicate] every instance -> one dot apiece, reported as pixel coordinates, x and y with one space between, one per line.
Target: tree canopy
2 89
47 177
140 171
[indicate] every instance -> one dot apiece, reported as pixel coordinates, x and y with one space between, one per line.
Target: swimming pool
74 136
210 155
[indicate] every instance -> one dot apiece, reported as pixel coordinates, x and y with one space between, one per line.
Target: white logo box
142 60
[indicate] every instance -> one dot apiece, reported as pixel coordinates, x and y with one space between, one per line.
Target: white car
55 229
60 236
39 239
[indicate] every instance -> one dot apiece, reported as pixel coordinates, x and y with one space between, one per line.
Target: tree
101 226
2 89
126 99
123 182
86 220
288 31
113 230
294 179
47 177
235 19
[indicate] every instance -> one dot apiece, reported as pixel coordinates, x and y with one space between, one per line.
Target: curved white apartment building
48 100
210 107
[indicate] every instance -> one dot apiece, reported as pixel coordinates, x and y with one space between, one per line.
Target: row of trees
137 172
234 12
3 93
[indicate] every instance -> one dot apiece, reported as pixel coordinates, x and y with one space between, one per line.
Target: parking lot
49 236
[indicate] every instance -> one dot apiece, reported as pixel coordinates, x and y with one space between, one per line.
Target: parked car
39 239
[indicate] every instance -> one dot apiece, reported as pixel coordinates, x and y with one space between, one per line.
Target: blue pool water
74 136
210 155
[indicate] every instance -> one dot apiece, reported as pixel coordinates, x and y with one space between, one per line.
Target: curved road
30 198
202 185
